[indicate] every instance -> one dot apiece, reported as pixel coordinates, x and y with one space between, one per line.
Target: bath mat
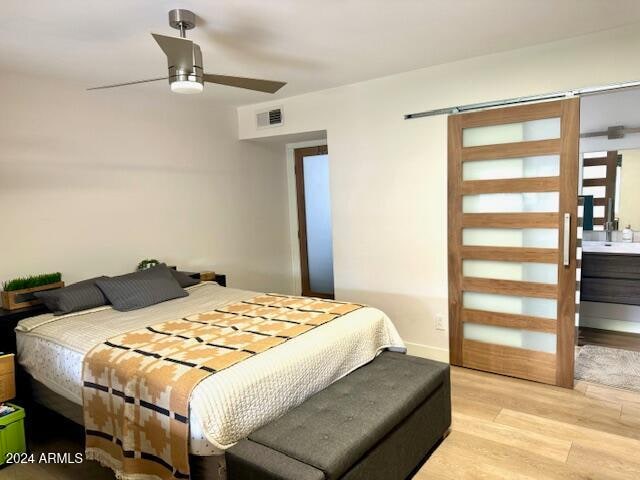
609 366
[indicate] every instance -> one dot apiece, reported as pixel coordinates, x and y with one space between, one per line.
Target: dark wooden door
300 154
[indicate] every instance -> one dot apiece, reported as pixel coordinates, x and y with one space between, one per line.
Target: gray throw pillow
74 298
141 289
183 279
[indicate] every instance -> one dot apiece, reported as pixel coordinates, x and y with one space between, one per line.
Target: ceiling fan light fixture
186 87
184 61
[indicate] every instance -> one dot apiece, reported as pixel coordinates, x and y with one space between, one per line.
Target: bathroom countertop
618 248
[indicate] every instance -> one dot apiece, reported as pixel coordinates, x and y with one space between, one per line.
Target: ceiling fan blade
128 83
179 51
267 86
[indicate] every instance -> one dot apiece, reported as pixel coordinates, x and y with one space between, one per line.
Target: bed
225 407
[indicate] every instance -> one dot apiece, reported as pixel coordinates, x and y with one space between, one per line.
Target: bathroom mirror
609 184
628 187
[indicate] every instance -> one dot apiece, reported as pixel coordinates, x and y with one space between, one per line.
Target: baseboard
610 324
426 351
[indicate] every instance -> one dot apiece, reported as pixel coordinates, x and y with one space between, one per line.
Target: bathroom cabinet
610 278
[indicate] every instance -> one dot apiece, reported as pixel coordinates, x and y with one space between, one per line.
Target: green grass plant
31 281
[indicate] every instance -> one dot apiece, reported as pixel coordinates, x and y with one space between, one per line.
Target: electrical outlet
440 323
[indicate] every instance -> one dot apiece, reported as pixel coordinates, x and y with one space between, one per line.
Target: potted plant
18 292
147 263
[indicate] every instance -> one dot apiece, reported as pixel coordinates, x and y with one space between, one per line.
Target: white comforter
229 405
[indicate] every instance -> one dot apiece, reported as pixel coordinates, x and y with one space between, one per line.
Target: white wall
92 182
389 176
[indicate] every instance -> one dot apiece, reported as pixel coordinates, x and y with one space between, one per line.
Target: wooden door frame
299 154
560 371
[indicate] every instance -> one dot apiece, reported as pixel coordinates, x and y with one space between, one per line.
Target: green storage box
12 433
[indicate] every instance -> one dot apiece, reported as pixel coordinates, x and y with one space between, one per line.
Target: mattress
231 404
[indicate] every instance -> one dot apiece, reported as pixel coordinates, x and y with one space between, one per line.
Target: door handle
566 239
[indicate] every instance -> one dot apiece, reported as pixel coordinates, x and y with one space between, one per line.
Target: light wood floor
503 428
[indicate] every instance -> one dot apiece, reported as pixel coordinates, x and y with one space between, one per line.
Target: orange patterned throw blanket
136 386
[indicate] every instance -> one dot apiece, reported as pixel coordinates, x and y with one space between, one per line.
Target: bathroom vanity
610 272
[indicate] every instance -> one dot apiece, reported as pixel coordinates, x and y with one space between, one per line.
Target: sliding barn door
513 175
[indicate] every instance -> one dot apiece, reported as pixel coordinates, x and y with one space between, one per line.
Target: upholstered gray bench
378 422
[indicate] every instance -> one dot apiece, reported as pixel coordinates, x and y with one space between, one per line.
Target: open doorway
609 311
314 221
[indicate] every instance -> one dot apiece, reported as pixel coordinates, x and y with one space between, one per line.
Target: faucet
608 230
609 224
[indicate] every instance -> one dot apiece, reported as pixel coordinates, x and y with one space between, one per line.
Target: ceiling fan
184 60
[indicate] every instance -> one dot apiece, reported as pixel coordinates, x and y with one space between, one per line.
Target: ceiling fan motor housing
188 71
185 68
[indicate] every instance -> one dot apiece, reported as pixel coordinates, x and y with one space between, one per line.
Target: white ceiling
599 112
312 44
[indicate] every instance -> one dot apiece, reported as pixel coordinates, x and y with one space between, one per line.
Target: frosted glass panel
511 132
595 154
543 166
598 211
526 272
511 237
511 337
595 171
597 192
511 202
318 213
490 302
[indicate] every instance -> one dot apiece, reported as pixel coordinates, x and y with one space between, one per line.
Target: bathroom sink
632 248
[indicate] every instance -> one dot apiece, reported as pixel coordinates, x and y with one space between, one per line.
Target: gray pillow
141 289
74 298
183 279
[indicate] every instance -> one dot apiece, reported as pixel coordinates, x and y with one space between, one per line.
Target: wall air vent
270 118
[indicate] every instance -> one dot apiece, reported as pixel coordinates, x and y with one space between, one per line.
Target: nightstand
8 321
7 377
219 278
